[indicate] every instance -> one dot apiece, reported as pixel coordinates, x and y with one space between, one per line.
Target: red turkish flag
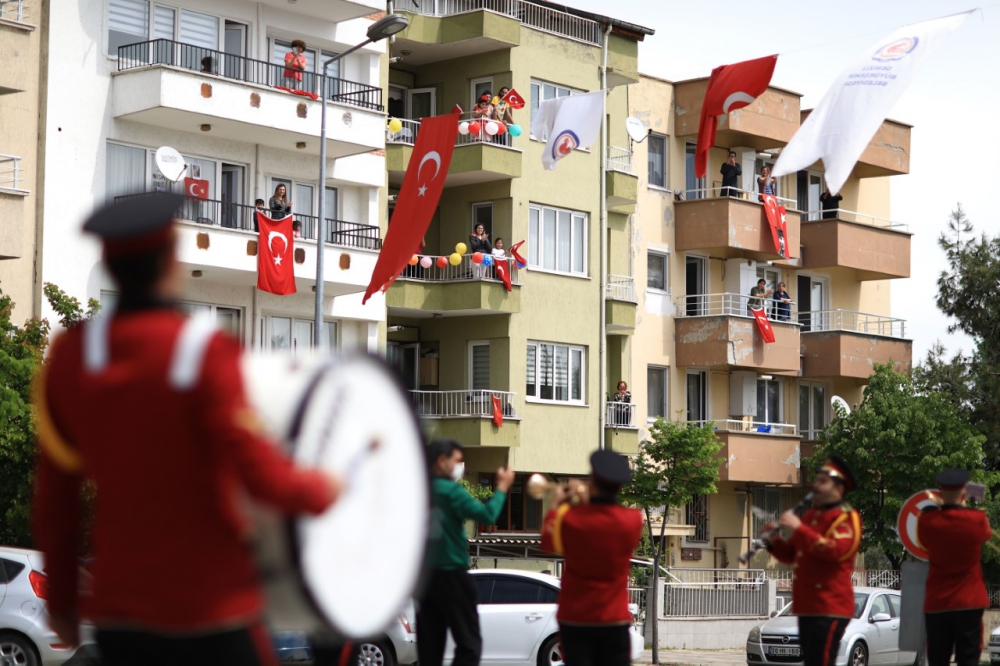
275 255
763 325
457 109
497 411
730 87
195 187
521 263
418 199
503 270
514 99
776 218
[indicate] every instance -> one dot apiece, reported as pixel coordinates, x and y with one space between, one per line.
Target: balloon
455 259
395 125
463 128
477 257
426 262
460 248
501 129
515 130
487 260
442 262
475 127
492 128
413 260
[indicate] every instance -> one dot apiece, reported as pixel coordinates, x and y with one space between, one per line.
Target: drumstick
352 466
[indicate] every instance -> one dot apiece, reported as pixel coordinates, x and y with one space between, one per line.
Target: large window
656 392
697 515
813 412
557 240
226 318
656 271
479 366
768 401
541 91
657 159
131 170
521 513
768 500
697 395
555 372
296 335
129 23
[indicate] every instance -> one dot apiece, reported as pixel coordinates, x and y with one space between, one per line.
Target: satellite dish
636 129
170 163
837 400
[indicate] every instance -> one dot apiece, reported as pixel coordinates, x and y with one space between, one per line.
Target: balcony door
695 186
405 358
768 401
421 103
231 193
810 186
697 395
234 45
813 298
695 284
771 276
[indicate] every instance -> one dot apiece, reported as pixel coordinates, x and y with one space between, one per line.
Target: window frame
537 344
811 416
472 89
705 397
700 184
665 373
540 247
700 536
267 332
665 289
213 309
151 6
540 83
489 480
472 345
781 400
482 205
665 187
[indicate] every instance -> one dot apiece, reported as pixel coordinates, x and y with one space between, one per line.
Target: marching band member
821 547
953 536
597 538
150 406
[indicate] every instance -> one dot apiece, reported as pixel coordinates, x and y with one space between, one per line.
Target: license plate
783 651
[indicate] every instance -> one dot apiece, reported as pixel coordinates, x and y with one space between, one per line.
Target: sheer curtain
126 170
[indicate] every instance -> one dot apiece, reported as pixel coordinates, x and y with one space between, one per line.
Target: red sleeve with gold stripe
839 543
552 530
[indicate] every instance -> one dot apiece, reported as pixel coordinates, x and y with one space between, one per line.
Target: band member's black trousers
820 638
594 646
247 646
958 630
449 603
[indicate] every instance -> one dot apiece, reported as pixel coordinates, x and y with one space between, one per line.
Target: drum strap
189 354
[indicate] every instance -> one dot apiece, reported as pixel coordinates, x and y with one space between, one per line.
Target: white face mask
458 472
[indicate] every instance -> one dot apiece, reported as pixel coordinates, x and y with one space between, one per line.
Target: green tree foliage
896 441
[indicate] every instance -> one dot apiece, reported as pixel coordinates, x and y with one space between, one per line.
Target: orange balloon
413 260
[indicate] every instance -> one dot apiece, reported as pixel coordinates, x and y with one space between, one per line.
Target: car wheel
16 650
375 654
859 655
551 652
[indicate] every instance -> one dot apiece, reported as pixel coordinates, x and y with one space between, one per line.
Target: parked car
871 637
397 647
995 646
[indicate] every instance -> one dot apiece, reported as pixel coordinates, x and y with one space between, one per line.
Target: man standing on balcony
830 203
757 296
730 171
821 545
450 600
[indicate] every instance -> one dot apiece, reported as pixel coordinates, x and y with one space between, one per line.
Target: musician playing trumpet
953 536
821 546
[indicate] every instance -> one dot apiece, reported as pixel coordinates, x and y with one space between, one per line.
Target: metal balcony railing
242 217
619 415
529 14
621 288
619 159
853 216
238 68
411 128
10 173
748 425
735 305
14 10
466 271
462 404
733 193
854 322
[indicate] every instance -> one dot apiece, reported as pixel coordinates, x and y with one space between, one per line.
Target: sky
952 104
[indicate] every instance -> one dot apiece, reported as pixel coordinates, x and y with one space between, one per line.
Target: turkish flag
503 270
195 187
514 99
417 201
497 411
730 87
763 325
304 93
275 255
776 218
457 109
521 263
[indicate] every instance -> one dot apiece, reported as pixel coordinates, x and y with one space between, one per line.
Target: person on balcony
498 250
784 307
479 241
503 113
296 229
757 296
623 396
279 205
766 184
730 171
484 112
831 204
295 64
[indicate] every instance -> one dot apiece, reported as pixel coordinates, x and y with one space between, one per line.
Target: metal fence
714 592
853 216
465 271
735 305
10 172
620 415
855 322
748 425
407 135
733 193
13 10
238 68
462 404
621 288
619 159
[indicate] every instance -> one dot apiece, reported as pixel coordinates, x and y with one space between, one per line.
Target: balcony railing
620 415
13 10
462 404
619 159
242 217
531 15
621 288
733 193
466 271
411 128
735 305
853 216
854 322
748 425
10 173
238 68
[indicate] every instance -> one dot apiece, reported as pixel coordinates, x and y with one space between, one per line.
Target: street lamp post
385 27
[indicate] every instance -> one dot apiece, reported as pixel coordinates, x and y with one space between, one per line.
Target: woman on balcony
479 241
621 413
279 205
766 184
295 64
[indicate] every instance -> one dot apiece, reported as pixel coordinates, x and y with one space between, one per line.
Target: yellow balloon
461 248
395 125
455 259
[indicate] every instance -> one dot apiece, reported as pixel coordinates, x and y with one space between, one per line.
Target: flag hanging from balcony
569 123
503 271
778 221
196 187
275 252
303 93
521 263
497 411
763 325
841 126
730 87
418 199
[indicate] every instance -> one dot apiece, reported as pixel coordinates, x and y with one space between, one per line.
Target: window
557 240
484 588
226 318
521 513
478 87
656 271
479 366
656 392
482 213
694 186
129 23
697 395
880 604
768 401
555 372
511 591
697 515
541 91
9 570
896 602
295 334
126 170
812 410
280 48
657 159
768 500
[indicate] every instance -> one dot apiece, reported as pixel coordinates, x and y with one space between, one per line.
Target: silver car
397 647
871 637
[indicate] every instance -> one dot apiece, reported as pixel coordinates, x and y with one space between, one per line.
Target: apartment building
21 39
458 337
696 355
126 77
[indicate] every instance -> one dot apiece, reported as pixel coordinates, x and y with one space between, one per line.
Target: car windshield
860 599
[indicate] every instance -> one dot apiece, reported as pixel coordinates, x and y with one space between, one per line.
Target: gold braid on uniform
50 440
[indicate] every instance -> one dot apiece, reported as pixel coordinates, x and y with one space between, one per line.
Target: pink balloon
477 257
426 262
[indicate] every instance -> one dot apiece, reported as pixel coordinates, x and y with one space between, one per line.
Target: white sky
954 104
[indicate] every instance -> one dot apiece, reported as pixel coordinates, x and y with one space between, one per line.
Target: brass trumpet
539 486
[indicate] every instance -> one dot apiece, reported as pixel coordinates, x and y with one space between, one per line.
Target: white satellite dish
170 163
636 129
837 400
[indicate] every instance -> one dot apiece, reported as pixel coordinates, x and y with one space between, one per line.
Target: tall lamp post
384 27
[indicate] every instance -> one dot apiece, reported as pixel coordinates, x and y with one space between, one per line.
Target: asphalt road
716 657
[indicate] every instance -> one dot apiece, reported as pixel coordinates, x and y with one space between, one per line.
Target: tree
896 441
679 463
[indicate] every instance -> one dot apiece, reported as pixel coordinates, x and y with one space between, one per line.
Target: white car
517 619
995 646
871 637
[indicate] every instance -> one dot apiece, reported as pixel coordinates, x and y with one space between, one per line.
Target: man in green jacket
450 599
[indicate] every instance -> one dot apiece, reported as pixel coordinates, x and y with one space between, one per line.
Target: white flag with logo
840 127
569 123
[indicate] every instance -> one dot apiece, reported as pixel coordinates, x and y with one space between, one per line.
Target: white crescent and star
736 98
191 189
270 239
432 156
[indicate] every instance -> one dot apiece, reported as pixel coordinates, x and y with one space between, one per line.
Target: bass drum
353 568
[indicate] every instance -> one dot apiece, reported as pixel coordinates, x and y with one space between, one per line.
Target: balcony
622 186
187 88
887 154
621 434
478 157
717 331
843 343
620 305
12 176
756 452
873 247
454 291
467 416
335 11
17 46
728 227
768 122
